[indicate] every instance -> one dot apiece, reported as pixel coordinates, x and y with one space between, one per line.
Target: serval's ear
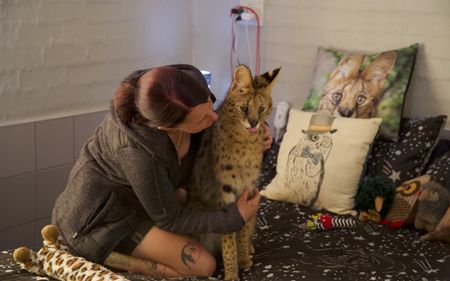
377 71
242 77
348 67
267 80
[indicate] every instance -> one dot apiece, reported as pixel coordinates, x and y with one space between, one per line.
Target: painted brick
64 53
13 57
9 33
422 22
434 47
56 11
37 34
369 26
98 92
84 32
104 11
20 11
10 80
98 51
40 78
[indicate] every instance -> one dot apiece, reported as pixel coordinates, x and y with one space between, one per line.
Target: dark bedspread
286 251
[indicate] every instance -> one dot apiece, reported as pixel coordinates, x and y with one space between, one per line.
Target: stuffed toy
53 260
442 230
404 206
374 199
326 222
433 202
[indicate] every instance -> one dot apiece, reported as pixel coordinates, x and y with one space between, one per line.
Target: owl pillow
321 159
404 206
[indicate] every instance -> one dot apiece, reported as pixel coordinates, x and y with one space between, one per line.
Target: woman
121 196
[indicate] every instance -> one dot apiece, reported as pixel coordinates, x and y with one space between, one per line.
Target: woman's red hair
160 96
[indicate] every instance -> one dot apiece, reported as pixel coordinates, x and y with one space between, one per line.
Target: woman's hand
181 194
267 139
248 207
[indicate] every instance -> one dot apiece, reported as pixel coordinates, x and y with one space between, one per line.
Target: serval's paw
245 262
231 276
251 249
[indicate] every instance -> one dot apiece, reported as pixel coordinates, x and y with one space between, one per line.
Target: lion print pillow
361 85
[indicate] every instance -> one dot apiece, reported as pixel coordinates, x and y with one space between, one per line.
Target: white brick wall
293 29
63 58
369 26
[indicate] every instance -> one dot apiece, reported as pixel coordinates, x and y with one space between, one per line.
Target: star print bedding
287 250
405 159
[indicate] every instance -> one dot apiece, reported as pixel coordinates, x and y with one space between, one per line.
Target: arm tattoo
151 265
155 269
189 253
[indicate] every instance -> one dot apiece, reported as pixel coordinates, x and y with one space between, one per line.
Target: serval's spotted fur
230 158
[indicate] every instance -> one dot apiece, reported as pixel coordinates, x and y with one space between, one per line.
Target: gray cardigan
127 173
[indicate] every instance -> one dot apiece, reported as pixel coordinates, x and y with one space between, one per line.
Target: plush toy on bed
374 199
434 201
404 206
53 260
321 221
442 230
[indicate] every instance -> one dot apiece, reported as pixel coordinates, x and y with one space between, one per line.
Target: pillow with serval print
363 85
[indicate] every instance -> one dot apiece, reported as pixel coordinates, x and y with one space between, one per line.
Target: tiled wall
35 162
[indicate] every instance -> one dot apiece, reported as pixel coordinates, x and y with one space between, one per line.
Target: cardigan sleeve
154 190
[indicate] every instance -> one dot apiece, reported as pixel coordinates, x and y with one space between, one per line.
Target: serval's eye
244 108
336 97
360 99
261 109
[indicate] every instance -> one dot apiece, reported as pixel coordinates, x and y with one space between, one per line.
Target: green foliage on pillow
357 85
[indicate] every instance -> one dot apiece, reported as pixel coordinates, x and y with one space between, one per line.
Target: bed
285 250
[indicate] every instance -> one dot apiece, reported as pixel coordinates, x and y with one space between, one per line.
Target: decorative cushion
352 84
407 158
442 231
322 171
404 207
433 202
440 170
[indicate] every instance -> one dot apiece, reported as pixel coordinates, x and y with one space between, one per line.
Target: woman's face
199 118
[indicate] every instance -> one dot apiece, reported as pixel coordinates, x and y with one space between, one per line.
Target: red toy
326 222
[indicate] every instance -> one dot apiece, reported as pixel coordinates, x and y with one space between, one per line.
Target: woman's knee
202 264
207 265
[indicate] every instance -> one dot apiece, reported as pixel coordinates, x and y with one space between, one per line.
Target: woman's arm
153 188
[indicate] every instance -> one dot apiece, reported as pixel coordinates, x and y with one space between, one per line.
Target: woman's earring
159 128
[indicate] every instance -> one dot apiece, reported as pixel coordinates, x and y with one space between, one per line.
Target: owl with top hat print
306 160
